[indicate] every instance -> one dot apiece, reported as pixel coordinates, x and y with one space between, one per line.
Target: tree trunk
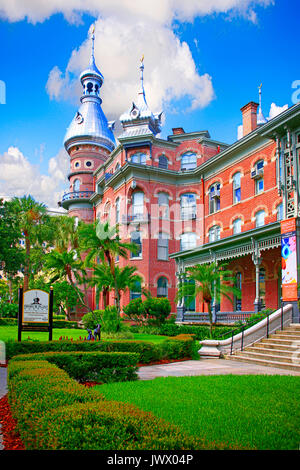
27 264
210 318
111 264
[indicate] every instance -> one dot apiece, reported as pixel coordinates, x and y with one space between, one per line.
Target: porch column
256 258
180 303
214 303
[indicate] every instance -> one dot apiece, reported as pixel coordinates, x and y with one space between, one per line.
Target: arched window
163 246
162 287
163 162
260 218
236 188
188 161
117 166
237 226
137 239
188 241
214 198
106 212
139 158
214 233
137 205
136 291
76 185
188 206
163 205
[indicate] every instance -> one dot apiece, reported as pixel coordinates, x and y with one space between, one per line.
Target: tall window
136 238
214 198
214 233
236 188
237 226
259 172
106 212
260 218
163 162
238 284
139 158
76 185
136 291
117 210
188 241
279 210
162 287
188 206
138 205
163 247
189 300
188 161
163 205
262 287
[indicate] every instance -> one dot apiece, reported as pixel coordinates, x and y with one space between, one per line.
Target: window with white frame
188 241
162 287
188 161
188 206
260 218
237 226
163 205
259 181
279 211
214 198
236 187
214 233
136 291
117 210
76 185
137 205
139 158
163 246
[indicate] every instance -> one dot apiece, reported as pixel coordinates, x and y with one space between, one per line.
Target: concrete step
272 351
274 345
274 357
264 362
285 336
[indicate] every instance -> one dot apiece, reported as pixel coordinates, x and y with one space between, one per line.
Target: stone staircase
281 349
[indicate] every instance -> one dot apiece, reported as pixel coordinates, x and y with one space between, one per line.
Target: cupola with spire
260 117
138 119
89 124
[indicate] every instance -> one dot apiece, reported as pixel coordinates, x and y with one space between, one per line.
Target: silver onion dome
89 124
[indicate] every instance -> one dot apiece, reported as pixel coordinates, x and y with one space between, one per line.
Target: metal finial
142 74
93 40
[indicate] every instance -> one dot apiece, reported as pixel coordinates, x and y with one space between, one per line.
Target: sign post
35 311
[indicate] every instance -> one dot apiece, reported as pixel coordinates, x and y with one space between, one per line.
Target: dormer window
139 158
163 162
188 161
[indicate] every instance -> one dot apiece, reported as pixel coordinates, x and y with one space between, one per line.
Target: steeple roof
89 124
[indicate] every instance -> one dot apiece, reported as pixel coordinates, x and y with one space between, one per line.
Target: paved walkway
3 391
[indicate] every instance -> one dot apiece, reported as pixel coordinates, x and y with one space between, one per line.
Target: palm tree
102 242
65 233
102 279
32 219
210 281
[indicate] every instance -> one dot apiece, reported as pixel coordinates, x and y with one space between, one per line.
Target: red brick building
188 199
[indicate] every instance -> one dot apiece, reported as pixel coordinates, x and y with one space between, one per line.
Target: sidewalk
3 391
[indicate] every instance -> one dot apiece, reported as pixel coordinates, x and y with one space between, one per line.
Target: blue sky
233 52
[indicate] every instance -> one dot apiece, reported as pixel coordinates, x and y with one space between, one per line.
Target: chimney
178 130
249 112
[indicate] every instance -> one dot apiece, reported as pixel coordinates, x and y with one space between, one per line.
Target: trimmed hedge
57 323
53 412
149 352
91 366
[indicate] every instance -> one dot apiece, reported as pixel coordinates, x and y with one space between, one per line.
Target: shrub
8 310
53 412
91 366
108 318
152 311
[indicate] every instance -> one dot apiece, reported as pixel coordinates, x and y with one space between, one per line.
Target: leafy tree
32 221
152 311
11 253
209 280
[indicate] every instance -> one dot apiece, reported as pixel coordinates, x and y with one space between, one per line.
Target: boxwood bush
54 412
91 366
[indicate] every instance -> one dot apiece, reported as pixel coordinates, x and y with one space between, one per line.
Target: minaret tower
89 140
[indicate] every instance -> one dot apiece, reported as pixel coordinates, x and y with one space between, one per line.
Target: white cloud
275 110
19 177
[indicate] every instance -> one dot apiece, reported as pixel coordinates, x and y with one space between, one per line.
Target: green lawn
11 332
259 412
